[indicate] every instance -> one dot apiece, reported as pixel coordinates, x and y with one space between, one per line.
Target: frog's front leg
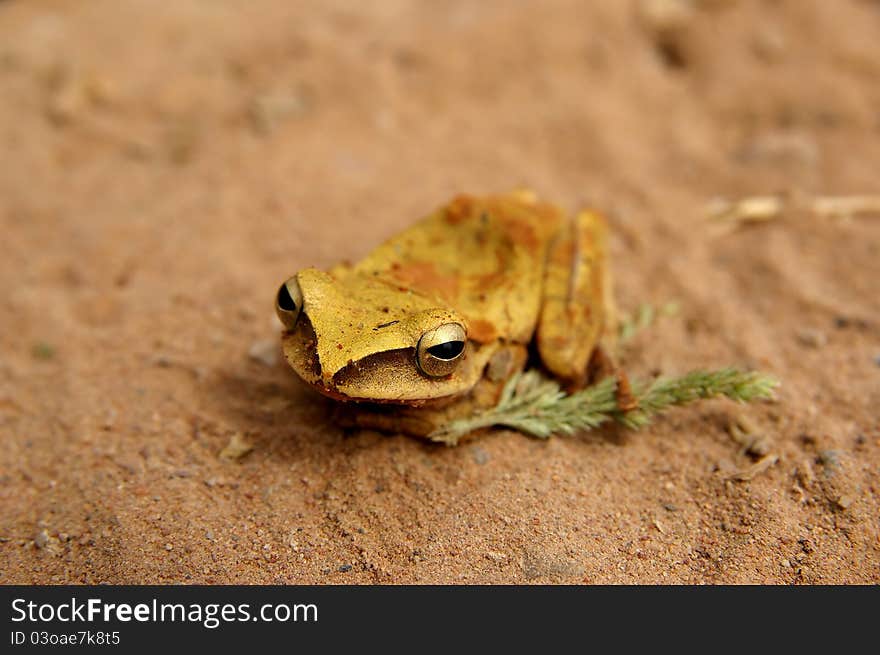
577 327
418 422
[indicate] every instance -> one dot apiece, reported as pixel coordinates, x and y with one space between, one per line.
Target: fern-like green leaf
537 406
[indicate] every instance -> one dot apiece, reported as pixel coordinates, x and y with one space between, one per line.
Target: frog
430 325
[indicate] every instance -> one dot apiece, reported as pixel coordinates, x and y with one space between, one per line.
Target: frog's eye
440 350
288 303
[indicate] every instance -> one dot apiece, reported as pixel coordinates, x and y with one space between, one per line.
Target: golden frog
430 324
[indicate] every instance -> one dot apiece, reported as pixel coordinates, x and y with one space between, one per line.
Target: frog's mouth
390 376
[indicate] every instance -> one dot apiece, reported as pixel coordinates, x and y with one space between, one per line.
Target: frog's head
359 337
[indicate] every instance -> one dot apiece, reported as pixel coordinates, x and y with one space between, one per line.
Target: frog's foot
385 418
623 394
414 421
600 366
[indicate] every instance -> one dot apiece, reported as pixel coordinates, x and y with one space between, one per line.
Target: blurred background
164 166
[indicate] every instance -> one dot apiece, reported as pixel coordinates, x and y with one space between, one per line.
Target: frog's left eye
288 303
441 349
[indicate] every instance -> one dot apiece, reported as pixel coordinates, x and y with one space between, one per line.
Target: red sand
164 170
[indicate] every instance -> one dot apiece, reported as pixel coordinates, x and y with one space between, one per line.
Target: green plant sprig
537 406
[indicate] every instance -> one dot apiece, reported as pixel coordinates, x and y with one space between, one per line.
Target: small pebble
269 110
182 141
812 337
265 351
782 148
480 456
747 434
664 15
66 105
43 350
768 43
237 447
724 466
161 360
41 540
345 568
829 458
805 474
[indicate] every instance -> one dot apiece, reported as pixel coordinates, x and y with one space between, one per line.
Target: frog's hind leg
576 328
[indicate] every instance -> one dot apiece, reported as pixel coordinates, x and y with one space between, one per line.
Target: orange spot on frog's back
459 209
522 234
482 331
492 280
424 277
522 222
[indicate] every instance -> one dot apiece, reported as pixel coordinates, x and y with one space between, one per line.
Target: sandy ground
163 171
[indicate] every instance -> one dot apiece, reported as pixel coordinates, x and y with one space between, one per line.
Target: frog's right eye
288 303
440 350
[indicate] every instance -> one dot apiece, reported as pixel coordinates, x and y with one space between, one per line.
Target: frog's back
483 256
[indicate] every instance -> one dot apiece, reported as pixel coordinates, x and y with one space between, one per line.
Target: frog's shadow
271 407
281 415
275 409
270 404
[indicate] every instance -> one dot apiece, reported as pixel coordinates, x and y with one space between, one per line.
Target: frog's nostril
285 301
